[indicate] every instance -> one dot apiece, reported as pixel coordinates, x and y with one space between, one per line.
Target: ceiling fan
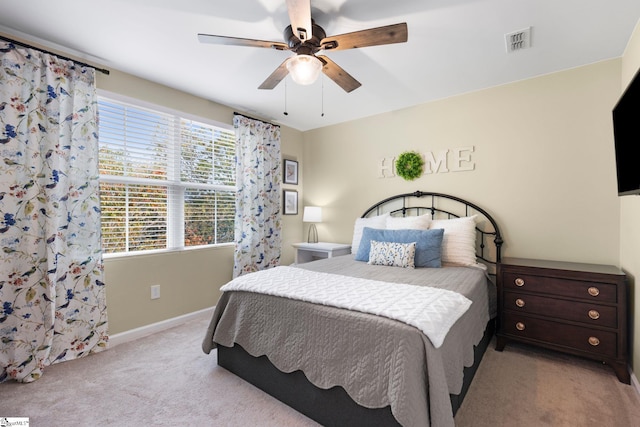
306 38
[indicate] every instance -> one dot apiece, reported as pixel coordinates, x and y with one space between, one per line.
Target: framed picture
290 202
290 172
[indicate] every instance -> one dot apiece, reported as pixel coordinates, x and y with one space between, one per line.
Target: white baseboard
153 328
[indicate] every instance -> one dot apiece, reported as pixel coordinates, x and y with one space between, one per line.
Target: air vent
518 40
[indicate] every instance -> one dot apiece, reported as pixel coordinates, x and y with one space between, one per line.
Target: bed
344 361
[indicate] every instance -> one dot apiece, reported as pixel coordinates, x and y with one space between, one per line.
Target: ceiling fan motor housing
311 45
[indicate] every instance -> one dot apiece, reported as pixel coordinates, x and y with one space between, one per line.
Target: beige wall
544 162
630 215
189 280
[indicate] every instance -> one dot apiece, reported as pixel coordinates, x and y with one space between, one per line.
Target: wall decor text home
442 161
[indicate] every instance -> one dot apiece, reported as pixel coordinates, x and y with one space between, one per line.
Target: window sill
165 251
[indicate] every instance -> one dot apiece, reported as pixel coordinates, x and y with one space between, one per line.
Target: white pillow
379 222
409 222
393 254
459 239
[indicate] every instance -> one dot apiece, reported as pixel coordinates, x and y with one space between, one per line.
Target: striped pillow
459 240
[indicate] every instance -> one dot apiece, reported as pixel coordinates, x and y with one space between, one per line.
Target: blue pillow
428 244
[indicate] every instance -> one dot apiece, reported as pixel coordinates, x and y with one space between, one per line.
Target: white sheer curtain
258 200
52 294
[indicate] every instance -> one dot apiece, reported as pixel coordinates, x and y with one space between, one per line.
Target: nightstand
306 252
575 308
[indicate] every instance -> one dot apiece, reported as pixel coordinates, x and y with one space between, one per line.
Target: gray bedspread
378 361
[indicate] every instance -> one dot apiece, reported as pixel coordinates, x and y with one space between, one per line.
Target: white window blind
166 181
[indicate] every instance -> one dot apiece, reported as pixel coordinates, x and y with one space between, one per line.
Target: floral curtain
52 294
258 199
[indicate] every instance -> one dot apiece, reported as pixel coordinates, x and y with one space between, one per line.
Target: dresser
580 309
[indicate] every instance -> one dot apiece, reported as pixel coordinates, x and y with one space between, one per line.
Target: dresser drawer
580 338
591 314
560 287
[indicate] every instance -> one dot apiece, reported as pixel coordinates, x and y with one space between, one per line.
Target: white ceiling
454 47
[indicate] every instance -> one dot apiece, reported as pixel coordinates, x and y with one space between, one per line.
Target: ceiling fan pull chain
285 97
322 98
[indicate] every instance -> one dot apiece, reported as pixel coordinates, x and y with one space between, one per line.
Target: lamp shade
304 69
312 214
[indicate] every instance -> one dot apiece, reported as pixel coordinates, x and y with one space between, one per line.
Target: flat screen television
626 134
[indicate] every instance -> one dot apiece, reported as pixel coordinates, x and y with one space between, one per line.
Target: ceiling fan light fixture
304 69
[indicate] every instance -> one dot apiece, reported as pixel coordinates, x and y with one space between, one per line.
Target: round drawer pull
520 303
594 314
519 282
594 341
520 326
593 291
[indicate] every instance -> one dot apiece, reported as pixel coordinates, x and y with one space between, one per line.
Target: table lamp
312 214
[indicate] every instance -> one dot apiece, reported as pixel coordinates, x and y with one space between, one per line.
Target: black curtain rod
102 70
253 118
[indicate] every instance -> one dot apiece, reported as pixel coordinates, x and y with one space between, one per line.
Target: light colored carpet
526 386
166 380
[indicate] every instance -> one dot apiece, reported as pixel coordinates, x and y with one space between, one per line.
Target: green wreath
409 165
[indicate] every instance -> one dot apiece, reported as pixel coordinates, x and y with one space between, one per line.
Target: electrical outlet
155 291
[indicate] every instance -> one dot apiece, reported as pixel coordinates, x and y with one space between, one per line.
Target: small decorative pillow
392 254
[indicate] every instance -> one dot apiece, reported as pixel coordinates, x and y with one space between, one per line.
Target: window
165 181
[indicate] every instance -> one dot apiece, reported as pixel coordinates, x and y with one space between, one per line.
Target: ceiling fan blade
236 41
338 75
275 77
300 17
396 33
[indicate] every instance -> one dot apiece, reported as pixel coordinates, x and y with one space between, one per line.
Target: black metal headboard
445 206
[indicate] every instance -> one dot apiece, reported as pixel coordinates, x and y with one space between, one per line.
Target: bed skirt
329 407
